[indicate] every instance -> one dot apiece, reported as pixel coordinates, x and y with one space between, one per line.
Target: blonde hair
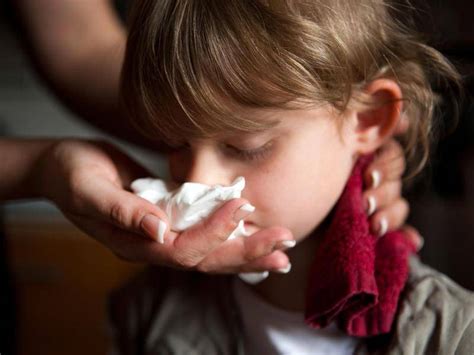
190 64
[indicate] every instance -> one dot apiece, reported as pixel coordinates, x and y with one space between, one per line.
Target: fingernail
243 211
154 227
383 226
372 205
161 231
376 178
285 270
284 244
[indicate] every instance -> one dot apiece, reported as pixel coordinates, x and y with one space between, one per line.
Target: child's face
294 172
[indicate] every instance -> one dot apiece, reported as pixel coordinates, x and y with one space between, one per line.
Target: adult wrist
42 174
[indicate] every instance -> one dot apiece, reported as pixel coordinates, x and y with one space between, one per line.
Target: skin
279 179
295 173
79 52
88 180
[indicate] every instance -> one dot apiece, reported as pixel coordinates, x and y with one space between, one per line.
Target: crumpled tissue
190 203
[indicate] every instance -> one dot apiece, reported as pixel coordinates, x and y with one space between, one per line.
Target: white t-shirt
270 330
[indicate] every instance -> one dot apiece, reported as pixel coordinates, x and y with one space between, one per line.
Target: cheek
280 190
267 188
299 191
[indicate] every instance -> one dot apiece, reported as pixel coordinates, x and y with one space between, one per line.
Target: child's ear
376 124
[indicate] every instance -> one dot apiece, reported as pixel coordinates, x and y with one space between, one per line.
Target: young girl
290 95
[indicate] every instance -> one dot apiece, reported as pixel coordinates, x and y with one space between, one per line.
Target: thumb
127 211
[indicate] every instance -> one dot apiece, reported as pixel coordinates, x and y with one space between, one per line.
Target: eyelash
243 154
249 154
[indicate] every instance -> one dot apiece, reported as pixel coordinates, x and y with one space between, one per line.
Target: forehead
240 121
246 122
286 120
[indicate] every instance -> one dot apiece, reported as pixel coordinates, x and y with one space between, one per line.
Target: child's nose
207 167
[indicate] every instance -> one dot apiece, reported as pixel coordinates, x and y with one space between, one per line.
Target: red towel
356 278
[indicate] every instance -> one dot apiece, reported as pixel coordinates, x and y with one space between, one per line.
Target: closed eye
248 154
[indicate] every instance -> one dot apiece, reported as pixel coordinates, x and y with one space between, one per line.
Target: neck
288 291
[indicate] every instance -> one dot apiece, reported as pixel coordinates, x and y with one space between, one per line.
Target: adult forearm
20 158
78 47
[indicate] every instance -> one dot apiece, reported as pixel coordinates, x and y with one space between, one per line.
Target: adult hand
87 181
384 203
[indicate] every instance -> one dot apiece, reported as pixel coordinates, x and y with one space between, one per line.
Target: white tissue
191 202
253 277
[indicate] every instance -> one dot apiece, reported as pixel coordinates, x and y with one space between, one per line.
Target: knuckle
248 253
186 261
400 162
136 218
118 214
394 168
216 231
251 255
391 154
219 230
405 206
380 195
389 196
398 187
204 267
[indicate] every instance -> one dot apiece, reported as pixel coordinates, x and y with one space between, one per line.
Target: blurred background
55 279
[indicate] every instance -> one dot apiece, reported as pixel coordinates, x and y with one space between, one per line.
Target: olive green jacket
165 311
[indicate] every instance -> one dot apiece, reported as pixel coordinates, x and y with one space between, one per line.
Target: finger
192 245
277 261
110 203
125 245
236 253
388 164
381 196
403 125
414 236
389 218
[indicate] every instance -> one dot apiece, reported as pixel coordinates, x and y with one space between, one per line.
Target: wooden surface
61 279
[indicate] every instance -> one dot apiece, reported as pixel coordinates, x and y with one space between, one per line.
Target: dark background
441 200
